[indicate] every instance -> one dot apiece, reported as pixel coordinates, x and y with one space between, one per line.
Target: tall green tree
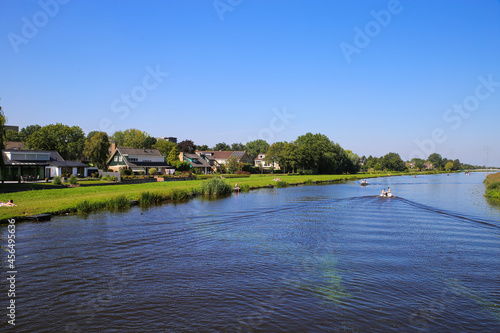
320 154
164 147
10 135
27 131
173 156
392 162
96 149
233 165
222 146
275 153
133 138
256 147
68 141
237 146
436 160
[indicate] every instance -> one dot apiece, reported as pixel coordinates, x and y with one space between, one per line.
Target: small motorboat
386 195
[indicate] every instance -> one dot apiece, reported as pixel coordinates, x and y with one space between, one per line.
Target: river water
326 258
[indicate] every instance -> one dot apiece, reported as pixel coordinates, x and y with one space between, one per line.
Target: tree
202 147
436 160
237 147
289 156
233 165
274 153
449 166
173 156
187 146
133 138
222 146
10 135
68 141
256 147
27 131
419 163
354 162
96 149
320 154
91 134
164 147
457 165
392 162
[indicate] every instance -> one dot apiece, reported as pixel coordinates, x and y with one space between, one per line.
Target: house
196 161
217 158
39 164
428 165
410 165
260 162
138 160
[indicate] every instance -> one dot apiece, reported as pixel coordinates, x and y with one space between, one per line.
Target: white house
260 162
39 164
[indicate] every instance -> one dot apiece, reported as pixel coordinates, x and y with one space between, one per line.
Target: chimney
113 146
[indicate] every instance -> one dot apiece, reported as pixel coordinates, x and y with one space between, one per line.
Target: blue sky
411 77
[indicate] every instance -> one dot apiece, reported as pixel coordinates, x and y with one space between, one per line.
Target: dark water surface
330 258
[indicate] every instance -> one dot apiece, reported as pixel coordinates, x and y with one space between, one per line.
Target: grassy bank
492 183
87 199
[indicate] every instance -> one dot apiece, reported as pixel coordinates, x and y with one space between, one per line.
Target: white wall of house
54 171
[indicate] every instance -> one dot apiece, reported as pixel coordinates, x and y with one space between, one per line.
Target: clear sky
411 77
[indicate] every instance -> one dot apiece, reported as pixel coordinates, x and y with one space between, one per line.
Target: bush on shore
215 186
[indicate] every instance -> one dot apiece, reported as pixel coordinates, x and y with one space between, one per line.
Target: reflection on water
313 259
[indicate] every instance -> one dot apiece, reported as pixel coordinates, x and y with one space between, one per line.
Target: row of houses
40 164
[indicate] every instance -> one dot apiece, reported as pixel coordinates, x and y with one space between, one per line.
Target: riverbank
492 183
86 199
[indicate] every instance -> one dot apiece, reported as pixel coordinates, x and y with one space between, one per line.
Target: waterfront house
428 166
260 162
138 160
196 162
217 158
39 164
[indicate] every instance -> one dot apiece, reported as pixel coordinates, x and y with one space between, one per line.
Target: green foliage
149 198
222 146
448 166
244 188
182 166
118 202
237 146
26 132
173 156
72 180
57 181
126 172
164 147
436 160
179 195
215 186
68 141
392 162
233 165
96 149
256 147
133 138
281 183
153 171
10 135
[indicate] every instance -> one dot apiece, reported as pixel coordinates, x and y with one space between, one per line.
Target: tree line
313 153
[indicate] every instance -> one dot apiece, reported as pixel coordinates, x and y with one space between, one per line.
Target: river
324 258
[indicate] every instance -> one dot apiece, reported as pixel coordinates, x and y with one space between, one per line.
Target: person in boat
384 193
9 203
388 190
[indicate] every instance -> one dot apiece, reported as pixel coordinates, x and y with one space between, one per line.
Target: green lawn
62 200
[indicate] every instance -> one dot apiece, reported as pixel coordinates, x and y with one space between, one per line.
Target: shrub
152 171
148 198
72 180
215 186
245 188
281 183
114 179
182 166
57 180
179 195
119 202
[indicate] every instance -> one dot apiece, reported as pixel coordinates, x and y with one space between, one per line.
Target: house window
116 158
120 158
146 160
133 159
